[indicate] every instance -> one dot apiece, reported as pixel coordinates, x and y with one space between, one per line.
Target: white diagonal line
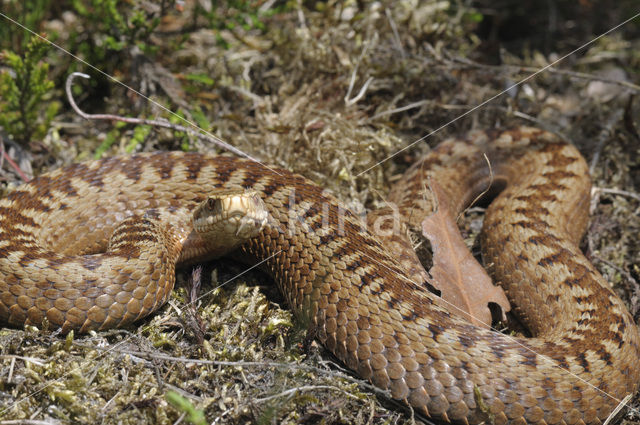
506 336
239 274
501 93
389 157
113 347
192 124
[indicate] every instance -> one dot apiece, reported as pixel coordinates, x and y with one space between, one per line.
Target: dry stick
619 269
348 100
570 74
605 135
3 152
295 390
619 192
4 155
396 36
628 118
156 123
149 355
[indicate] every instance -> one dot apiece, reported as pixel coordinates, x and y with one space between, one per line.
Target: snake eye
211 203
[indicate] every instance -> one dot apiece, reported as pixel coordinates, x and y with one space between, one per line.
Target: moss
276 88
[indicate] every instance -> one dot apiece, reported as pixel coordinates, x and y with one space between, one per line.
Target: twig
604 135
157 123
529 118
629 120
301 18
180 418
396 36
11 162
293 391
223 414
156 356
597 191
257 100
619 269
400 109
191 318
347 98
617 192
266 6
571 74
484 192
34 360
360 94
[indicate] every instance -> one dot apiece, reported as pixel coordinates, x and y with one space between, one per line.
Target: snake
94 245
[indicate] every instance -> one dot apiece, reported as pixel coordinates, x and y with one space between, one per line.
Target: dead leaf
462 281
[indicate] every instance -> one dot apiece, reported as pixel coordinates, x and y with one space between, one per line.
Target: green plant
25 106
179 402
29 13
122 24
108 30
245 14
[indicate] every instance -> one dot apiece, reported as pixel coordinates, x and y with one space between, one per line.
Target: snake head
231 216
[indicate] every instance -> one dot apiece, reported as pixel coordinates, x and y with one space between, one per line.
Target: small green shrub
29 13
184 405
26 109
238 13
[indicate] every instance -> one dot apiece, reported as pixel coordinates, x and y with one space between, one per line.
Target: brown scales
353 292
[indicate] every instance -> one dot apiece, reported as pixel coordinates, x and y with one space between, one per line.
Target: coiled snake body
341 280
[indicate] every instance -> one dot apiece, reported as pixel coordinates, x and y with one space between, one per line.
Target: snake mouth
250 226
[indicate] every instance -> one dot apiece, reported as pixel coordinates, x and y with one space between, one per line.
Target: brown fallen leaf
462 281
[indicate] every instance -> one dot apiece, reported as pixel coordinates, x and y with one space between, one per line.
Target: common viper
336 276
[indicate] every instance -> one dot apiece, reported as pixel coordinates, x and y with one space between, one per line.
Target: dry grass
290 96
